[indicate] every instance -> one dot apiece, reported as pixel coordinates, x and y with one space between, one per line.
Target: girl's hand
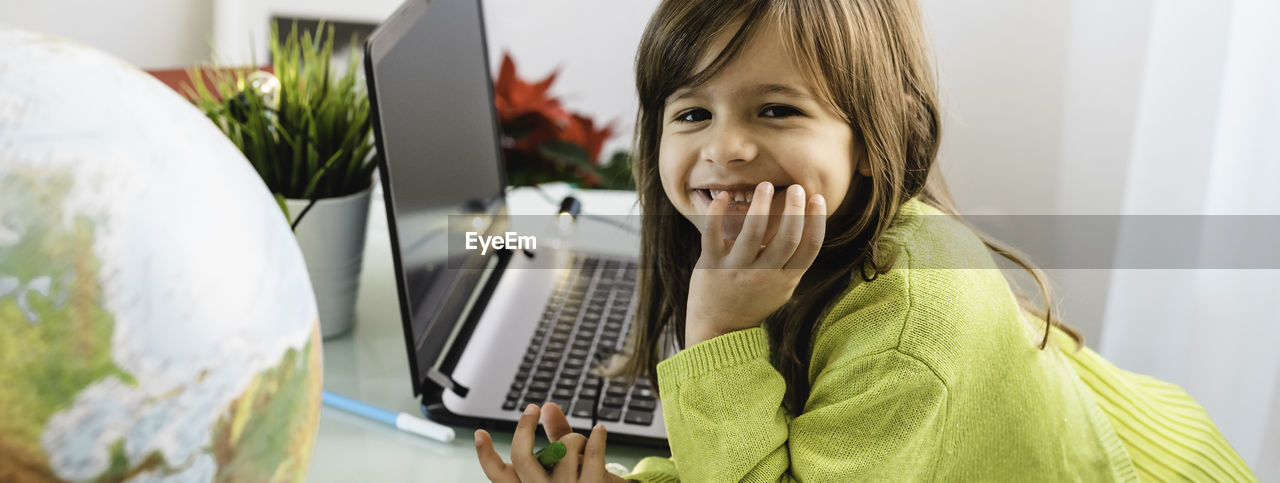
583 461
736 284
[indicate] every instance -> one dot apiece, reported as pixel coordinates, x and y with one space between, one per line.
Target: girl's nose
727 143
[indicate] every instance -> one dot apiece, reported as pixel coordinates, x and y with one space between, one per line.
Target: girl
835 319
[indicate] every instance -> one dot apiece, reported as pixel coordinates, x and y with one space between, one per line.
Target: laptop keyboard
586 320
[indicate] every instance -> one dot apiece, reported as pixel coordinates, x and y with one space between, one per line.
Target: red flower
527 108
582 131
536 130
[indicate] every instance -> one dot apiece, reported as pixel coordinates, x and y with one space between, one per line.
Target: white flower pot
331 235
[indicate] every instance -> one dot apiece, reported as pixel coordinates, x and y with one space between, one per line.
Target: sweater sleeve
879 415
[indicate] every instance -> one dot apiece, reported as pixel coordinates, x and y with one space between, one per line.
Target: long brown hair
869 59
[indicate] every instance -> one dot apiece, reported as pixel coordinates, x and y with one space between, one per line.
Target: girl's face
756 120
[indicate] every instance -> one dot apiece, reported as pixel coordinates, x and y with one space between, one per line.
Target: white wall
150 34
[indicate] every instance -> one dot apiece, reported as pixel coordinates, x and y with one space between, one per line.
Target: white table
369 363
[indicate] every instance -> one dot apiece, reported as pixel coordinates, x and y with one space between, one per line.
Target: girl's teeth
738 197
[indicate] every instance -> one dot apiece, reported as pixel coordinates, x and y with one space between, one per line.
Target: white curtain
1207 142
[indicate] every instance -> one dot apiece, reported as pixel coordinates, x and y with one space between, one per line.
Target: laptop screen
432 107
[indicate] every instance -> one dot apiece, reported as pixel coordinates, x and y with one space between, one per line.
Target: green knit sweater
930 372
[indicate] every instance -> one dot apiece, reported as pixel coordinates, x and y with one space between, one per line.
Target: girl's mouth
739 199
736 212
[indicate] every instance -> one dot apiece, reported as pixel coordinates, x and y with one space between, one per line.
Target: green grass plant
309 139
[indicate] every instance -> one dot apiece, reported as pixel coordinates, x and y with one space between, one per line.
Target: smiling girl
832 318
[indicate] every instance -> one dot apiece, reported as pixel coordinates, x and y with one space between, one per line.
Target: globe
156 318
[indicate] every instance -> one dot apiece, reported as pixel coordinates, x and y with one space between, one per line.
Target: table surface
369 363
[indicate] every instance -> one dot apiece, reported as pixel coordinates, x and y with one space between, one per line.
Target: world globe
156 317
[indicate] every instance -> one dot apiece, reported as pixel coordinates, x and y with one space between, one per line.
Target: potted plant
308 134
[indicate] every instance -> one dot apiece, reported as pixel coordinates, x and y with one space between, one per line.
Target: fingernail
530 409
819 200
768 187
795 190
598 426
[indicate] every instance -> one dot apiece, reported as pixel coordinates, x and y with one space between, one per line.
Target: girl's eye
694 115
780 111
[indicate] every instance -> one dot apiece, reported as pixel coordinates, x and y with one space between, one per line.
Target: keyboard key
510 404
571 374
548 366
567 383
514 394
610 414
552 355
575 362
562 402
588 392
616 390
642 405
555 346
639 417
612 402
578 353
518 385
534 397
582 409
544 376
642 392
563 393
540 386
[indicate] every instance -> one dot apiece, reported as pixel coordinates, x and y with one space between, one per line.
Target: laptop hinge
444 381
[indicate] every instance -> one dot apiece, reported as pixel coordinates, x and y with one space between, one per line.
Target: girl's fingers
494 468
712 229
815 231
790 231
526 466
567 468
747 246
554 422
593 456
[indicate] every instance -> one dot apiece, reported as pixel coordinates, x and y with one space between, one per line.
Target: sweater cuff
714 354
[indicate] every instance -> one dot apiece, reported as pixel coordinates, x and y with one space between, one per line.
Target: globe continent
156 318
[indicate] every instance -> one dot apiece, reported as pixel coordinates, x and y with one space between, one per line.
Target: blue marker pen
403 421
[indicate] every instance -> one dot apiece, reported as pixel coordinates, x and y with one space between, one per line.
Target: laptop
487 332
